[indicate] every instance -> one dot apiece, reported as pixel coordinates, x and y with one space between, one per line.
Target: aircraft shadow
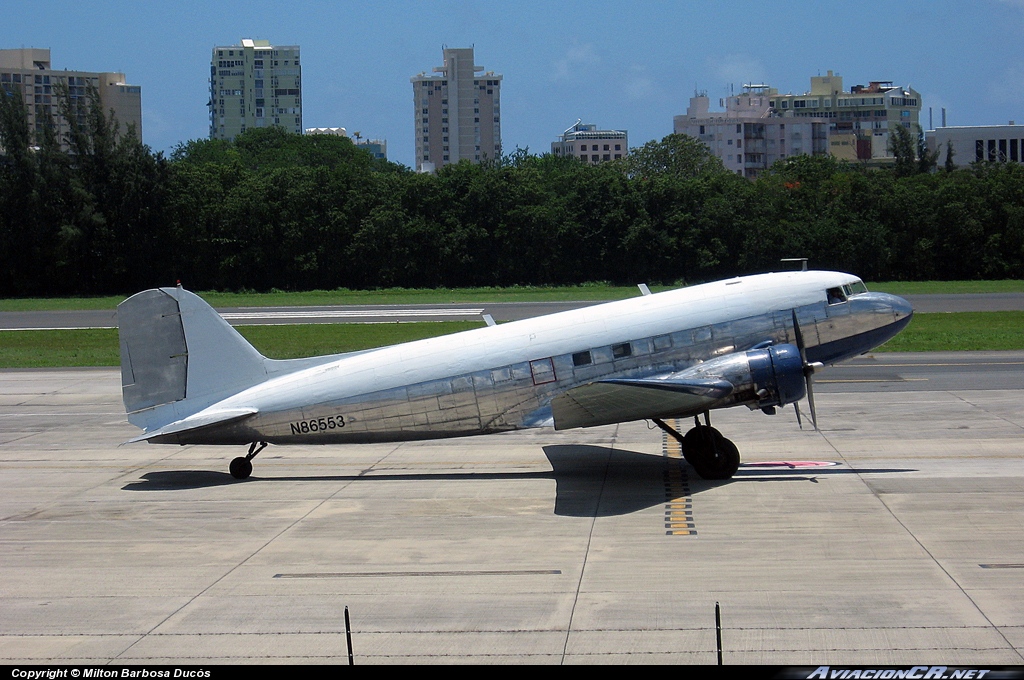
597 481
179 480
590 480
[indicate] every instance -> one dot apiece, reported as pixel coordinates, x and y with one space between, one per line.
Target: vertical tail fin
176 348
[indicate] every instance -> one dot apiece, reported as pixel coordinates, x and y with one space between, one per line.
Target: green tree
676 156
926 160
902 147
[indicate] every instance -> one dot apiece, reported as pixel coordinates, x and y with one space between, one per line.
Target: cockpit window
835 296
855 288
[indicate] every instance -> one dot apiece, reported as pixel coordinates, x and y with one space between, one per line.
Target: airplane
188 377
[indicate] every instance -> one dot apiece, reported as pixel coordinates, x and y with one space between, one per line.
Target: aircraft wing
621 400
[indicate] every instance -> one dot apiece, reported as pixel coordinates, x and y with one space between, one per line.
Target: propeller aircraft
188 377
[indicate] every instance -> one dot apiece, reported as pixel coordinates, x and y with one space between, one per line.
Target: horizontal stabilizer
201 420
616 401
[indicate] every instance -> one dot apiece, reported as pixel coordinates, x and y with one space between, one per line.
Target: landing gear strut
711 454
241 467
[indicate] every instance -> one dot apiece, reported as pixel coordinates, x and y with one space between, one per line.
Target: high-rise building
255 84
28 71
592 146
748 137
457 112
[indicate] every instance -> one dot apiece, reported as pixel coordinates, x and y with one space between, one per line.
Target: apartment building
749 136
860 120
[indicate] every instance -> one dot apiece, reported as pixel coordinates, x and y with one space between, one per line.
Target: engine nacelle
761 378
780 371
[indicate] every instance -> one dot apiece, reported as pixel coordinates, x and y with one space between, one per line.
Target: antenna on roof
801 260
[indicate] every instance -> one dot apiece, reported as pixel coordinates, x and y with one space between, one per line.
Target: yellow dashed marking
678 504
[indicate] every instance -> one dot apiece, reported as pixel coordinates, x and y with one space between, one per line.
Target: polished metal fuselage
504 377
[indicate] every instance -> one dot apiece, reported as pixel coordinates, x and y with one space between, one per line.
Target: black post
348 638
718 627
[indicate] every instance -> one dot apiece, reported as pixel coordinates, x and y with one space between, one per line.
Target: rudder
154 357
175 347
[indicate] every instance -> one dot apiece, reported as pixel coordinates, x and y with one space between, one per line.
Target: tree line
100 213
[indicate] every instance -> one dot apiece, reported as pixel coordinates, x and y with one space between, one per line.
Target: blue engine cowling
777 370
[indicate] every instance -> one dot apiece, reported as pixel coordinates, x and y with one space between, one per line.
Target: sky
621 65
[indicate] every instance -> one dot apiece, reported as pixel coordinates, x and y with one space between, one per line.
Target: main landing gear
711 454
241 467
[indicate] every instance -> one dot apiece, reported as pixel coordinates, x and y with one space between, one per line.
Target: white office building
981 143
590 145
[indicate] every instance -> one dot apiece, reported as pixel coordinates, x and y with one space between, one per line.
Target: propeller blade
799 339
796 407
810 402
808 369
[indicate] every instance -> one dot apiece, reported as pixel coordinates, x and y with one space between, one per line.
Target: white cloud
639 85
1011 81
577 58
738 69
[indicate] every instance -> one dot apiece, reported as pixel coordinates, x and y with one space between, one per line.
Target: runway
500 311
261 316
890 537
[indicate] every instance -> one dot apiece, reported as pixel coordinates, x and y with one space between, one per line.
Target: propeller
809 369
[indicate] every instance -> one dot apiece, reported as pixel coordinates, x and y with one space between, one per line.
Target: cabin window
581 358
543 371
835 296
662 342
620 351
462 384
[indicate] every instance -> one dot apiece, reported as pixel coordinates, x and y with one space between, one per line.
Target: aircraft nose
885 303
901 309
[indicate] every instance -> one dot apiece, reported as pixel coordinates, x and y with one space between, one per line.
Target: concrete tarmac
893 536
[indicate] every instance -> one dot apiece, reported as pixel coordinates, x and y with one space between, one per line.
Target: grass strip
99 347
958 331
308 340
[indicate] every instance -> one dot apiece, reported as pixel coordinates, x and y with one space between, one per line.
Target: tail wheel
241 468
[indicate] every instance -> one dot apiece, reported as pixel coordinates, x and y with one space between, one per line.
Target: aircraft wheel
241 468
697 442
711 455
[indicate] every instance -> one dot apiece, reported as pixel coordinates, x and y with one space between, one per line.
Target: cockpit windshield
841 294
855 288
